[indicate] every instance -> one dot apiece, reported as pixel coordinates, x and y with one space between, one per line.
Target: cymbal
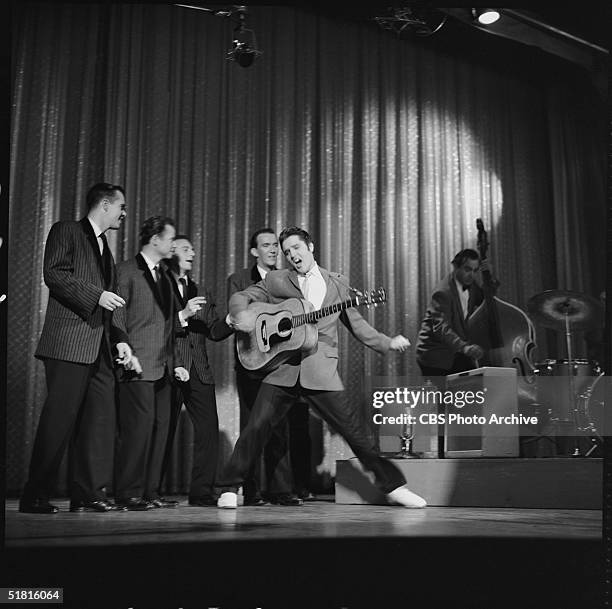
552 307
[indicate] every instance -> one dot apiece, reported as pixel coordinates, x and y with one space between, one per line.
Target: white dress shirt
313 286
464 298
151 266
262 272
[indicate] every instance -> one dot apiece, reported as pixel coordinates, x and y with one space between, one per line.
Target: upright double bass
503 330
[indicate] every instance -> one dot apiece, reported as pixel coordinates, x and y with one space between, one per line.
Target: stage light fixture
485 16
418 20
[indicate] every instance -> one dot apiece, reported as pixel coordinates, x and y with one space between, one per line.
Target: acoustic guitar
284 329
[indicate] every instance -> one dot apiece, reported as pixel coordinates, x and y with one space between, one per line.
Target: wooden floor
319 555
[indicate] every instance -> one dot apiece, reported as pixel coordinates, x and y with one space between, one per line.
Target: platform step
563 483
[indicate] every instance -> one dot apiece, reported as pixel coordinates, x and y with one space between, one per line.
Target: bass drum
591 409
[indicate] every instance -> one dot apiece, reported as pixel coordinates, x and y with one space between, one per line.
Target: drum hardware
568 311
592 410
544 424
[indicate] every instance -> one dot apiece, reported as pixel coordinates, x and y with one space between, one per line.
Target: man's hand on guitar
399 343
193 306
243 321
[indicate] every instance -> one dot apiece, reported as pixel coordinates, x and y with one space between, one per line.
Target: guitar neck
313 316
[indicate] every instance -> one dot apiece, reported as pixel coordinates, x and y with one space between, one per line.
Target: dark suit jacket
191 339
237 282
317 370
74 322
240 280
444 330
147 318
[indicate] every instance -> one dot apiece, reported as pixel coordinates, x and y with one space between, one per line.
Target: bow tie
465 287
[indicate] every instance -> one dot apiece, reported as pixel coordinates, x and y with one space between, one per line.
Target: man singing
312 376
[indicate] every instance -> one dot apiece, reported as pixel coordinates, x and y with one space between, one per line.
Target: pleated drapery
386 150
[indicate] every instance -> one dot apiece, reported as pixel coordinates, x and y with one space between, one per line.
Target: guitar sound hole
284 326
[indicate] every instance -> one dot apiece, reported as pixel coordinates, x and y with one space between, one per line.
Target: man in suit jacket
75 347
443 346
276 453
197 322
144 393
312 375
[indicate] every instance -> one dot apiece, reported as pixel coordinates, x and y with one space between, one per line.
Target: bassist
444 346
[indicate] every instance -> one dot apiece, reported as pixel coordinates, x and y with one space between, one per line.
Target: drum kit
572 389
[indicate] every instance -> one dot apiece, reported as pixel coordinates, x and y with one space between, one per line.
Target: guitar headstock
368 298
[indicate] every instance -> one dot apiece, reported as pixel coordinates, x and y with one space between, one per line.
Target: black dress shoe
160 502
135 504
96 506
256 501
285 499
203 501
37 506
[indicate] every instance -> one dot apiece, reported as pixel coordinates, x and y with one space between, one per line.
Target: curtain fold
386 150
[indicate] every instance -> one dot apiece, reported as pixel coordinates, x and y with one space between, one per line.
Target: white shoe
402 495
229 501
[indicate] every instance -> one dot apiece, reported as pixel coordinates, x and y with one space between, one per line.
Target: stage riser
562 483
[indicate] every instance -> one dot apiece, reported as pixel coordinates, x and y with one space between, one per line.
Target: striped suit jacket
147 319
205 324
73 272
317 370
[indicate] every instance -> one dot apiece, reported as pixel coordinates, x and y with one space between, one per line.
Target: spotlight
485 16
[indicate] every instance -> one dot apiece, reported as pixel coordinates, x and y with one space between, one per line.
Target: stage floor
319 555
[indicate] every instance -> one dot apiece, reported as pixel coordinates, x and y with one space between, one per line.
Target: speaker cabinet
489 425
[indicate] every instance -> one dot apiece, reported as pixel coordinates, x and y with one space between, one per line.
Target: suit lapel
191 290
457 301
293 279
93 241
142 265
471 300
176 290
255 276
330 296
165 289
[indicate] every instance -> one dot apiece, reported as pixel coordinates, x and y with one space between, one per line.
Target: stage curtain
386 150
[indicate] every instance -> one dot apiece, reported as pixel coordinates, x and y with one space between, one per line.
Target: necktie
183 283
106 259
157 275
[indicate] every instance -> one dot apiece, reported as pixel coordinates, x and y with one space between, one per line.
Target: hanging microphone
244 46
244 49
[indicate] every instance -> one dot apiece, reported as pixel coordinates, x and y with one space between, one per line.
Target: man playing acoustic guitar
311 375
